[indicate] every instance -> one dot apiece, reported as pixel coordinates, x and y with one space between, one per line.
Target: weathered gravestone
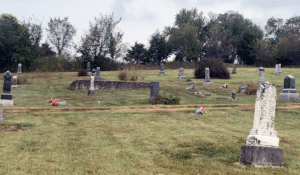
289 93
276 72
19 69
62 103
91 91
14 84
279 68
181 73
1 109
97 77
233 69
154 89
244 89
262 144
6 95
207 77
162 69
191 88
261 75
88 69
233 95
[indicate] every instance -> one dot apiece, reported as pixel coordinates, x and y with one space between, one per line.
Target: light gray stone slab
14 84
7 102
261 75
181 73
162 69
1 111
62 103
19 69
233 69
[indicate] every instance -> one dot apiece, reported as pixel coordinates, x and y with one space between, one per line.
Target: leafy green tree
159 49
60 33
246 48
274 29
137 54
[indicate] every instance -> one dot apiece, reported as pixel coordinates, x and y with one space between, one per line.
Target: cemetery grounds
118 132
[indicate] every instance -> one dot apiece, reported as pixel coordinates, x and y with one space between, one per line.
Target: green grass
126 135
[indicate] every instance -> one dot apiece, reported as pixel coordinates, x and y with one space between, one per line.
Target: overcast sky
141 18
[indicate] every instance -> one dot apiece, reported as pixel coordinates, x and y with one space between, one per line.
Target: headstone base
258 156
180 77
14 86
5 96
91 93
62 103
206 83
98 78
261 82
162 73
7 102
89 73
289 96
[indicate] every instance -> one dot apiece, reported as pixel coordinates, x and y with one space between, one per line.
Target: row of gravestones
90 73
6 97
262 144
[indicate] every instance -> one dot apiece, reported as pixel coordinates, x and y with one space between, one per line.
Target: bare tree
60 33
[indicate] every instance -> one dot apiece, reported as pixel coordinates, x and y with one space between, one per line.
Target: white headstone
261 75
14 84
263 133
92 87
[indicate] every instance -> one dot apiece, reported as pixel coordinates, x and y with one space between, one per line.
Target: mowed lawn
123 134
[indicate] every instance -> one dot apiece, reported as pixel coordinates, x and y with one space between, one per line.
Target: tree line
228 36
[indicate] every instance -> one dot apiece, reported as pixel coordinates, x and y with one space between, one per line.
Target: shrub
171 100
123 76
134 78
217 69
82 72
252 88
158 99
22 80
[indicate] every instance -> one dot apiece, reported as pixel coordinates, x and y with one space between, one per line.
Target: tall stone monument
14 84
19 69
261 75
6 94
233 95
1 109
207 77
233 69
279 68
162 69
97 77
262 144
154 89
289 93
91 91
181 73
88 69
276 72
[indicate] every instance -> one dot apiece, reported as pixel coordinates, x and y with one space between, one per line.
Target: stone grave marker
154 89
14 84
191 88
62 103
261 75
91 91
97 77
207 77
262 144
162 69
233 95
1 110
6 95
93 72
233 69
19 69
244 89
188 80
279 68
88 69
181 73
289 93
